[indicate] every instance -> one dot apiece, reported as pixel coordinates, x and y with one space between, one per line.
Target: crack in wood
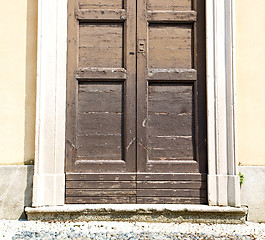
142 145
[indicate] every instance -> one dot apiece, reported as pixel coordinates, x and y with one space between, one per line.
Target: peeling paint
130 143
144 122
186 137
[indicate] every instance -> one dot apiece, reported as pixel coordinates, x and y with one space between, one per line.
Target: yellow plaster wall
18 40
250 60
18 28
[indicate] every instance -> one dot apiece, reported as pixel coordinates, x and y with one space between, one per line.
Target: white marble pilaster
49 177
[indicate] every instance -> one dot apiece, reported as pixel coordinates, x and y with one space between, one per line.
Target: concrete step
140 213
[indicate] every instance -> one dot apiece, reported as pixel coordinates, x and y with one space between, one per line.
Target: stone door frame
49 173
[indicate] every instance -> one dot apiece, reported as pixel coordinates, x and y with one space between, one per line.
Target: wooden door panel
170 46
177 188
100 121
170 121
101 45
85 188
101 94
170 69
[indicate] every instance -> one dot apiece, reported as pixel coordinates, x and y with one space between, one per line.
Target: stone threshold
139 212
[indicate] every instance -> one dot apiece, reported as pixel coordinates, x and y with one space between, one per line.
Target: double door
136 108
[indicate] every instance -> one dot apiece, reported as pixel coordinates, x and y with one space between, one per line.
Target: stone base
253 192
140 213
16 191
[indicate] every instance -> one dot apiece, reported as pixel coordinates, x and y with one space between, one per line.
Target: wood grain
171 200
136 134
100 4
101 200
170 177
171 16
170 46
180 5
100 97
95 15
107 185
171 74
170 98
101 45
100 193
71 88
192 193
100 176
99 74
170 184
100 121
170 122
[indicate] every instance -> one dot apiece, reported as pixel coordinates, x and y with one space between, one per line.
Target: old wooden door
136 118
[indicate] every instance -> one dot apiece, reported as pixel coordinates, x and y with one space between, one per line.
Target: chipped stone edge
141 213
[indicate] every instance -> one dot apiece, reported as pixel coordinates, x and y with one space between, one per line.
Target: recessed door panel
170 122
101 45
170 46
100 121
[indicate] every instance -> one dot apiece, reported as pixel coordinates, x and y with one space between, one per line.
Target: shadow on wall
31 75
28 190
16 191
30 98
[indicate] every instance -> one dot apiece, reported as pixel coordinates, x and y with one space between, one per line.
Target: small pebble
14 230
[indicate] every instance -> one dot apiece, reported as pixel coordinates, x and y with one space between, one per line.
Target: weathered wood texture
171 74
91 15
101 188
101 4
180 5
101 97
124 188
99 74
100 177
101 200
170 46
101 45
171 16
100 121
170 177
136 67
170 122
171 188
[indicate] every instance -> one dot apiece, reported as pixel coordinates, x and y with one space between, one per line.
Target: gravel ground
127 230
